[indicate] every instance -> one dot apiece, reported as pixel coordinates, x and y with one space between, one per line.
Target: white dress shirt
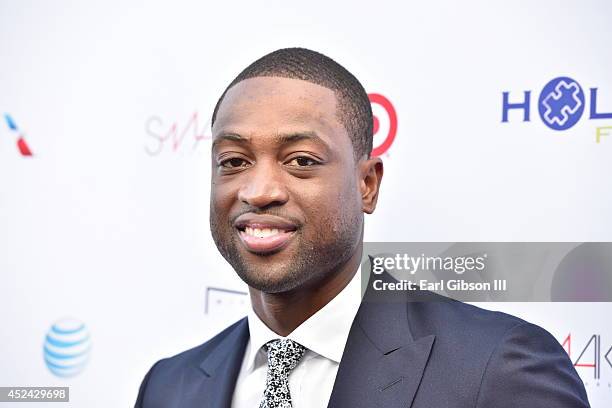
324 335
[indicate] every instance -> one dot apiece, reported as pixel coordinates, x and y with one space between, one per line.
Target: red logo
193 131
22 145
379 99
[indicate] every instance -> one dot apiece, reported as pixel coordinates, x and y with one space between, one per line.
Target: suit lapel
382 364
220 369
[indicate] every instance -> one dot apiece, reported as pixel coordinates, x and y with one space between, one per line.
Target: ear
371 173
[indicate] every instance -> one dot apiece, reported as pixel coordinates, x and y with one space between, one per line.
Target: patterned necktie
283 356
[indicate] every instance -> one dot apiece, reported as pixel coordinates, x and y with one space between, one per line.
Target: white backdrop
107 221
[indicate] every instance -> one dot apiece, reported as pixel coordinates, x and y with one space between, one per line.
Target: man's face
286 209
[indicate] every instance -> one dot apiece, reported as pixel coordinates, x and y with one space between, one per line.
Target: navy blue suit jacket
401 352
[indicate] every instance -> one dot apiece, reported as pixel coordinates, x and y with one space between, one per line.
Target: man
292 177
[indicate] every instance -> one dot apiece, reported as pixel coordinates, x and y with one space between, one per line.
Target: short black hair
353 109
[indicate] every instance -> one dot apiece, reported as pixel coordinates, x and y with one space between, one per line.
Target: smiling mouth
263 239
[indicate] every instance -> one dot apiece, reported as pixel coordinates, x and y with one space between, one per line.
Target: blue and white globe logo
67 347
561 103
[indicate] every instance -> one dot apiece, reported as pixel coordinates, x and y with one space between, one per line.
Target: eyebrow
233 137
286 138
281 138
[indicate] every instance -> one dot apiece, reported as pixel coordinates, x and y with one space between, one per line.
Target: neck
284 312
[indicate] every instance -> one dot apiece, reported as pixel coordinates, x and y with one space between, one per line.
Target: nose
264 186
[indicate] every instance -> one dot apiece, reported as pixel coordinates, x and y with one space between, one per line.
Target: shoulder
194 356
500 356
166 373
472 329
166 380
466 335
533 368
448 317
484 334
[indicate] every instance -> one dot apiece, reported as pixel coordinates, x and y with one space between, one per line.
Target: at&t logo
67 347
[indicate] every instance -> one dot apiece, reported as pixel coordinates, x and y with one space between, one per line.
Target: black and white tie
283 356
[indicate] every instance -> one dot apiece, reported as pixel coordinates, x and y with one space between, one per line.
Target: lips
262 234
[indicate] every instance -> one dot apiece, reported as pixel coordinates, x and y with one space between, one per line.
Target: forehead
264 106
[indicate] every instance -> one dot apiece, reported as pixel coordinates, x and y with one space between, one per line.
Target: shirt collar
324 333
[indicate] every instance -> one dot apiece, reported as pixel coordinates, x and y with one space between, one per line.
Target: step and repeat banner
493 119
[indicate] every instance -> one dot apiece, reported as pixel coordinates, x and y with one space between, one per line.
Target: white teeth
261 232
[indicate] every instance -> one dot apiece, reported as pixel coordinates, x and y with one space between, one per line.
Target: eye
234 163
302 161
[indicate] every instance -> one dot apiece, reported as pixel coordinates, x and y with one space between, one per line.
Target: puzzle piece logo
561 103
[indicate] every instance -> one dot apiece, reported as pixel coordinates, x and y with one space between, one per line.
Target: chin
271 280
